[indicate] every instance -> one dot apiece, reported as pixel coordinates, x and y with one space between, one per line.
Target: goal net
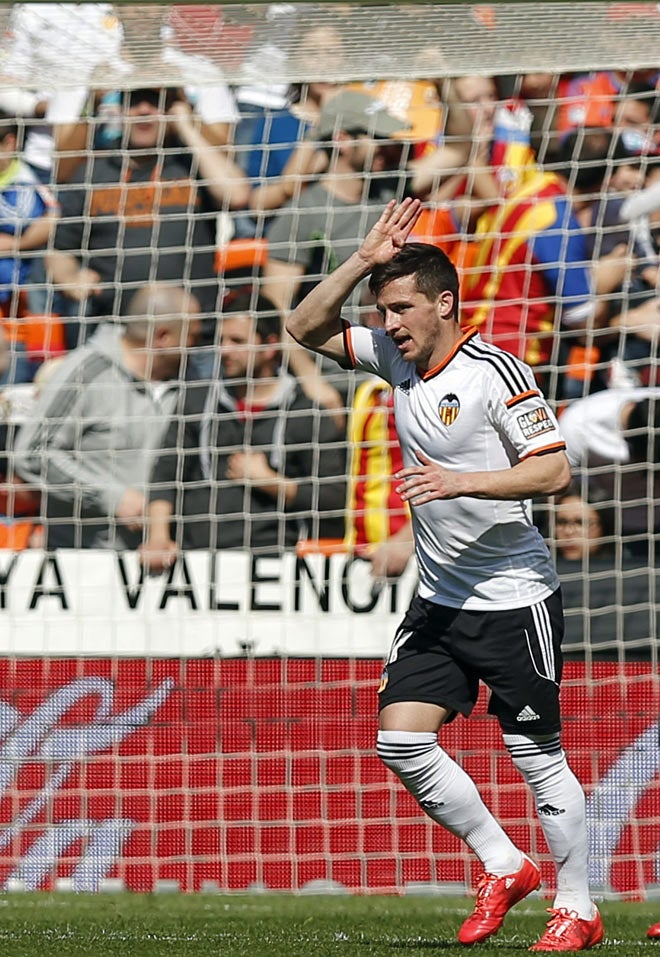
192 636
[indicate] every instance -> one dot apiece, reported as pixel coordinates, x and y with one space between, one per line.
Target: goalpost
212 728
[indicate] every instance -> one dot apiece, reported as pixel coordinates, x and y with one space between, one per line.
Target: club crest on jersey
449 408
535 423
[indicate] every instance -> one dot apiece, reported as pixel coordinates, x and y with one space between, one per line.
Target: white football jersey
479 410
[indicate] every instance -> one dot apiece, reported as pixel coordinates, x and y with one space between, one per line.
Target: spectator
531 274
601 169
183 38
584 530
619 457
270 46
324 226
279 152
533 277
88 441
28 212
541 94
145 212
44 41
638 324
609 612
611 427
190 36
501 158
600 99
247 463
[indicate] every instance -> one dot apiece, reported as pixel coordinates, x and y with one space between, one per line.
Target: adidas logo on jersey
404 386
527 714
551 811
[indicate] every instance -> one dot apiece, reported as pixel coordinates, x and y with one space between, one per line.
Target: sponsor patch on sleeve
535 423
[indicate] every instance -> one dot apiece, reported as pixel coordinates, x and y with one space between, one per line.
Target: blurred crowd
153 238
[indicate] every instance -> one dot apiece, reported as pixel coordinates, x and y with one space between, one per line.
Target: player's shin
560 804
448 795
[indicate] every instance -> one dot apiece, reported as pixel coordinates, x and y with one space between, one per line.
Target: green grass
282 926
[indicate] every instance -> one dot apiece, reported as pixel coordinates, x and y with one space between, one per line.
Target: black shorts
440 654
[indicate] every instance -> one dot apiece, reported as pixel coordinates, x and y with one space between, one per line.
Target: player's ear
445 304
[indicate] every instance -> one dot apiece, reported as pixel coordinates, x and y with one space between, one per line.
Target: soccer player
478 442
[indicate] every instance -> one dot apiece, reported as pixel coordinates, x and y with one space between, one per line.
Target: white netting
249 41
213 725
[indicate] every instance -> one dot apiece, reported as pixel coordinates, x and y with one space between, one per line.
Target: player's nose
391 321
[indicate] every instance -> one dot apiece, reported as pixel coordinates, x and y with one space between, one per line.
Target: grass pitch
283 926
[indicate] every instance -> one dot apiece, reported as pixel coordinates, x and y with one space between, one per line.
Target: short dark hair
158 96
585 156
247 301
433 270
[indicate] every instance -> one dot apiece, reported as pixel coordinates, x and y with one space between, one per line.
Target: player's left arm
537 475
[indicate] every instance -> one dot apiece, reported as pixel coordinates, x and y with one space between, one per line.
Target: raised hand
391 231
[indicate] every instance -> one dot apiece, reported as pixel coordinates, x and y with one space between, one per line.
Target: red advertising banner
260 772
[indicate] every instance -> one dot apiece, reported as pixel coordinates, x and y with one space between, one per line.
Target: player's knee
403 752
535 754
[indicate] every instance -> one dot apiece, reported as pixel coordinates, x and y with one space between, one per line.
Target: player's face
413 322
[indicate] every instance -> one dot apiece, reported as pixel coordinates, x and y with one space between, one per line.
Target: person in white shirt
478 441
596 427
60 47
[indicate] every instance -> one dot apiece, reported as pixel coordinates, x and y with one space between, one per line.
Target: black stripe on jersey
502 362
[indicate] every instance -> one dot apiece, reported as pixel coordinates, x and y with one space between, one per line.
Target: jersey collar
469 334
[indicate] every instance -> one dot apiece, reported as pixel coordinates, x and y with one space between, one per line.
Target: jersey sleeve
521 414
369 350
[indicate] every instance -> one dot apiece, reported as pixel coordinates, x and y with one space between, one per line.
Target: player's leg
423 687
525 699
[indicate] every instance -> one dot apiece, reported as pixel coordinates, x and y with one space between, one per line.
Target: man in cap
319 229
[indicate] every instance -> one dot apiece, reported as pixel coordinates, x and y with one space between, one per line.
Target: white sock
449 796
560 805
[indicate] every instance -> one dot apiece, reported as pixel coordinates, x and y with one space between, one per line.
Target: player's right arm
316 322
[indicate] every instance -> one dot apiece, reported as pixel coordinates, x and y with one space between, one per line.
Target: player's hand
391 231
427 481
